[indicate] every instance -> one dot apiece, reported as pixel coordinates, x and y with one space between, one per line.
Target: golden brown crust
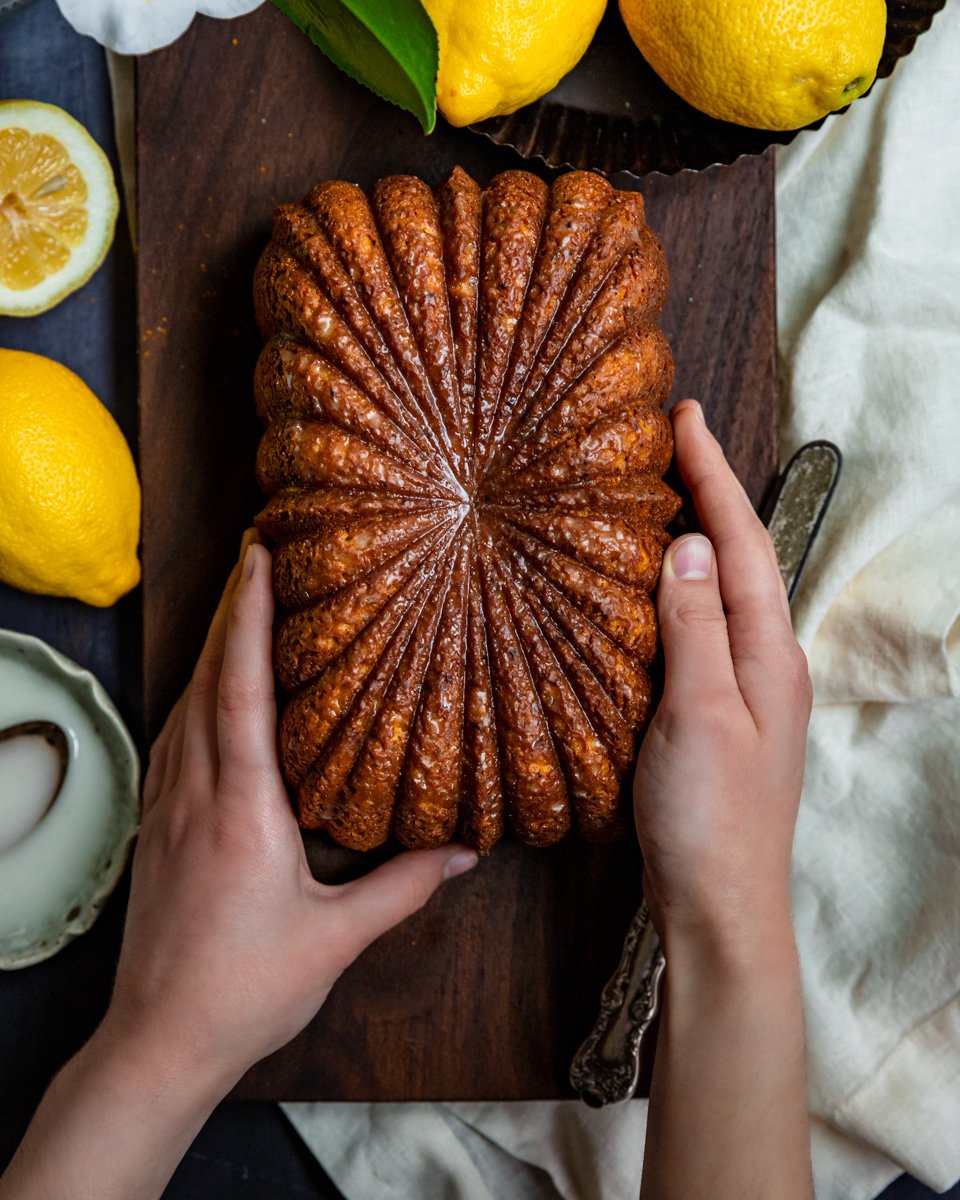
428 801
341 553
346 217
463 395
592 782
407 216
619 229
625 614
316 710
538 807
514 207
345 795
310 638
458 202
646 498
294 512
638 441
636 369
359 812
291 381
601 711
612 545
483 809
619 672
319 454
574 207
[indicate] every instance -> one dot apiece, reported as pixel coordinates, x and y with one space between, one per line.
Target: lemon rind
102 198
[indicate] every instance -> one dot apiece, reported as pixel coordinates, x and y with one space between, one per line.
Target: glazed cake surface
462 390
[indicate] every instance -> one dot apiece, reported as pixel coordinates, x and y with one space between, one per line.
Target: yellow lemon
497 55
58 206
69 495
770 64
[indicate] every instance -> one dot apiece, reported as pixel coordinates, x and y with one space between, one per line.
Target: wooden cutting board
487 993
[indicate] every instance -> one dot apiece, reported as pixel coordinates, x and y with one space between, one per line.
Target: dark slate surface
92 332
47 1010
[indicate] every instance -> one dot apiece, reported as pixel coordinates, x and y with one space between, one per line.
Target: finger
754 598
693 629
161 760
750 579
246 703
370 906
200 756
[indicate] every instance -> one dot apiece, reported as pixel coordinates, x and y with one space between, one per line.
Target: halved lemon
58 206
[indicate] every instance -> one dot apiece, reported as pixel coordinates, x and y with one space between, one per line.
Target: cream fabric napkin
868 243
869 254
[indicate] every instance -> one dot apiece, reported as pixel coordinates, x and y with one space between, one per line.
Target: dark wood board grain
486 994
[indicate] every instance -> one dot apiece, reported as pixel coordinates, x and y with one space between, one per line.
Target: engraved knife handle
606 1068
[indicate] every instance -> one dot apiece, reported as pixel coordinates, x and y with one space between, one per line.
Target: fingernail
459 863
698 409
693 406
692 558
248 536
249 562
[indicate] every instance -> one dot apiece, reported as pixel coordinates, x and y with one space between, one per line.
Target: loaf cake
462 390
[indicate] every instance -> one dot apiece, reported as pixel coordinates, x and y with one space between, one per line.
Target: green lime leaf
391 48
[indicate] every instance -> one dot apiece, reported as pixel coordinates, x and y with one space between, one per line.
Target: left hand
230 944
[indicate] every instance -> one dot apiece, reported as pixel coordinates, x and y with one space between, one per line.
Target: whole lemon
69 495
497 55
770 64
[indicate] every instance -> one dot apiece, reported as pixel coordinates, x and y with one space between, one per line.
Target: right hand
721 767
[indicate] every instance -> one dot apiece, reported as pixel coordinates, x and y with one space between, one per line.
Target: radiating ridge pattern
462 391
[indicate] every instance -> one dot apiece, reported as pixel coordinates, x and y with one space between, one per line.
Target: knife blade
797 506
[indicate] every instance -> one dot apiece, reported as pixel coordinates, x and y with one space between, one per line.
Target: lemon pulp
58 206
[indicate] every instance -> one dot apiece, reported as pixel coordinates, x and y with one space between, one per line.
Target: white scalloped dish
58 870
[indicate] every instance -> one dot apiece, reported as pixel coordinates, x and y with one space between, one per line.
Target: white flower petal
227 8
140 26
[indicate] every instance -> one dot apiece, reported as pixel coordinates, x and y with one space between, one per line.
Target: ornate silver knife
798 505
606 1068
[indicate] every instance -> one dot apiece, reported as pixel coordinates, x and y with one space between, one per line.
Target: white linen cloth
868 244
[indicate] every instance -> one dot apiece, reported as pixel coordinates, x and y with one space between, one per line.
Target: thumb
693 629
399 888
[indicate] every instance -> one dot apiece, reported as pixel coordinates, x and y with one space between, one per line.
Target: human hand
721 766
230 945
716 796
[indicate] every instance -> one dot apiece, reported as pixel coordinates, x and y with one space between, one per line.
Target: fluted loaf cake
464 452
